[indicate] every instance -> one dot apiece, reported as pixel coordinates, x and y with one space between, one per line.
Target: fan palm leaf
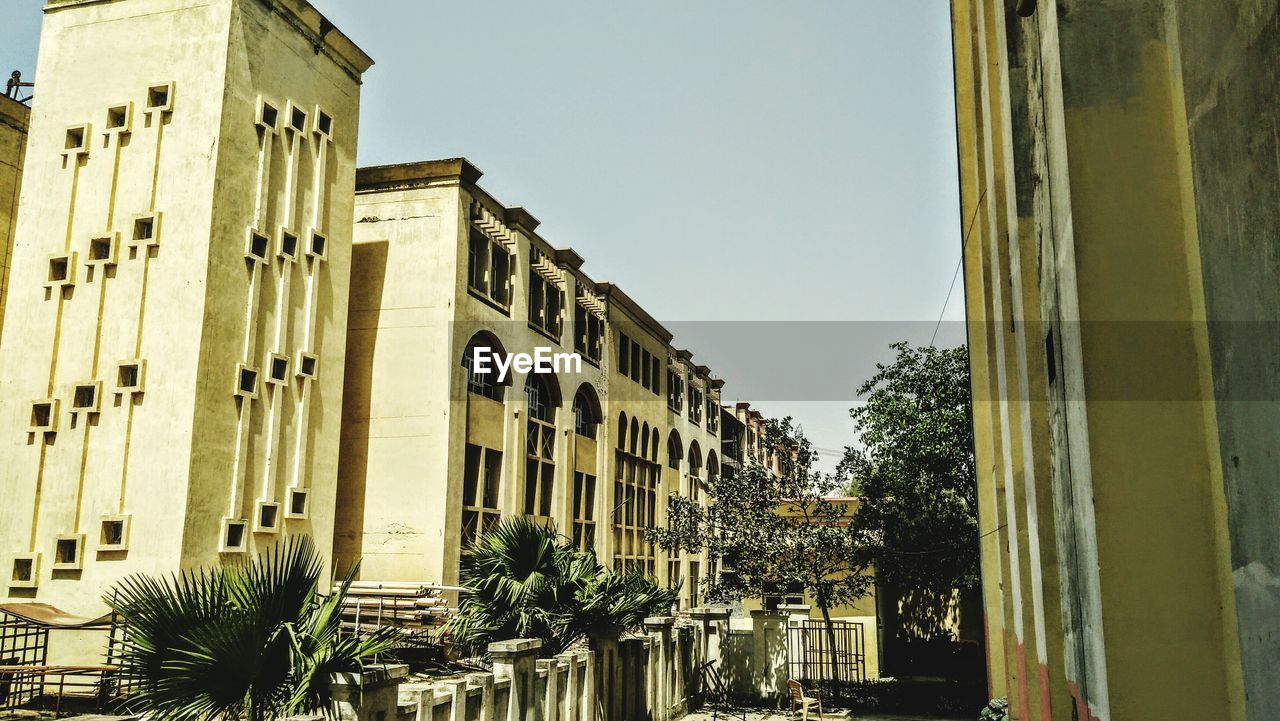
251 640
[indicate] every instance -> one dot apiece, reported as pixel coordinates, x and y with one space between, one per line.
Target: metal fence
833 651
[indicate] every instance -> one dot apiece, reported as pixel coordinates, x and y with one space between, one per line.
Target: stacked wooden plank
413 607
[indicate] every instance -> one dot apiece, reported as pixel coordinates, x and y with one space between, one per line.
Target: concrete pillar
572 686
607 684
769 649
659 628
457 690
550 700
515 659
588 697
714 626
485 682
372 695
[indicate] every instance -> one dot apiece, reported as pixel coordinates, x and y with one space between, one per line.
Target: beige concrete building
14 117
434 448
175 326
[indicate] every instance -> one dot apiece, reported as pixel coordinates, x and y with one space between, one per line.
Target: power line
964 244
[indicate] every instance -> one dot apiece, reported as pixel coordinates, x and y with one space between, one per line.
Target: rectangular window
539 472
500 275
624 354
695 403
636 492
713 416
586 333
675 392
488 269
545 301
478 263
584 499
635 362
481 484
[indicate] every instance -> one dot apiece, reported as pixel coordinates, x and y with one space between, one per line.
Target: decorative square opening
26 570
318 247
119 118
160 98
268 116
86 397
77 140
62 270
307 364
297 118
103 249
246 381
68 552
296 507
44 415
277 368
146 229
266 517
256 246
288 248
131 375
234 537
324 123
113 532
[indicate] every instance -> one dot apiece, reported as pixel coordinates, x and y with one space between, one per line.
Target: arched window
622 431
540 467
713 466
644 439
653 446
483 383
695 470
635 436
586 412
675 451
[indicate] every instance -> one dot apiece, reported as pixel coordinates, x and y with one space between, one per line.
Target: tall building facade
1120 166
436 448
14 117
177 290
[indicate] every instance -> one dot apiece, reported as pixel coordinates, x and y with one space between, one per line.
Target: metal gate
830 652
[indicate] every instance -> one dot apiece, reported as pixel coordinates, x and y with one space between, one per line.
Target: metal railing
829 652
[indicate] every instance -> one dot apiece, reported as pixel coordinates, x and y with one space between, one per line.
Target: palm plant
528 581
252 640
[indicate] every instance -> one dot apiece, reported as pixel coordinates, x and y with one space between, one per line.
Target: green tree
915 469
528 581
771 533
253 640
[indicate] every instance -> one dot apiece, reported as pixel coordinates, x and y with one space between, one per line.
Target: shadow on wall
368 274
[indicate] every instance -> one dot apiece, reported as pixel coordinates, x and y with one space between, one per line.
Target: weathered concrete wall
1231 81
14 117
1119 165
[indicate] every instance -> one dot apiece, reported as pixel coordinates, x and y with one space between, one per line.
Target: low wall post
369 695
516 660
485 682
769 648
713 624
659 627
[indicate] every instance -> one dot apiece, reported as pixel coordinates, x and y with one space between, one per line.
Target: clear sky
758 175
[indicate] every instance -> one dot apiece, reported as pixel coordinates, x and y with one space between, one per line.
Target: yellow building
1119 172
13 145
435 448
178 285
